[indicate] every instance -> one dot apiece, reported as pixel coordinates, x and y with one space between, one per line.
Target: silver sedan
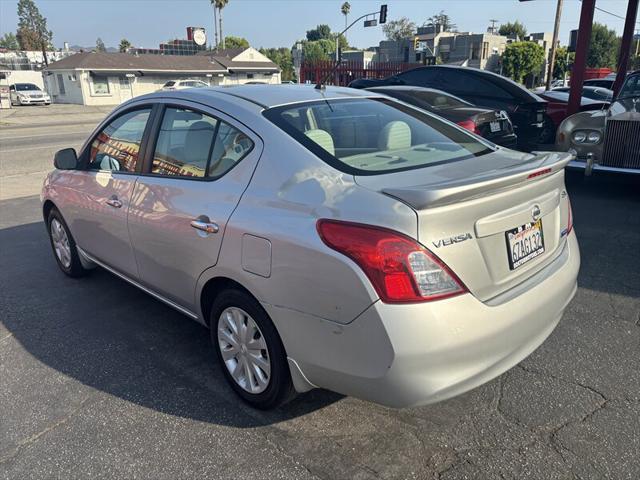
329 238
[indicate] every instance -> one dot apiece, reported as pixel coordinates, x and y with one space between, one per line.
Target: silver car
331 238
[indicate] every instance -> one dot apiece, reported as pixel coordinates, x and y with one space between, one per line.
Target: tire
67 259
263 388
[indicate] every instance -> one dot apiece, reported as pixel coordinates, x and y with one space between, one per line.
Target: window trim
147 164
84 155
92 91
273 115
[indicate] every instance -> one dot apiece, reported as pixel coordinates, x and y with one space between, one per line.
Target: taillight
469 125
400 269
570 220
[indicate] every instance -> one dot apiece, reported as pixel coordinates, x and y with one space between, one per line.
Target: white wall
23 76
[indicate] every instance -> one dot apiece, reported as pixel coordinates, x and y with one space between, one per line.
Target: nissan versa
331 238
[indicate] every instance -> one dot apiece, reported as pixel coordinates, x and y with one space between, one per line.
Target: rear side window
192 144
117 146
367 136
461 83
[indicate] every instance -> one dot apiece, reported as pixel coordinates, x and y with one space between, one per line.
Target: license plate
495 127
524 243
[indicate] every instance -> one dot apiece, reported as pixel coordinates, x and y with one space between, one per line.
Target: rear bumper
509 141
408 355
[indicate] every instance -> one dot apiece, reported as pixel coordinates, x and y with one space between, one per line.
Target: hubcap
61 243
244 350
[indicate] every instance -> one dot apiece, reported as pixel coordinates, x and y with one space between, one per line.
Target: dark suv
484 89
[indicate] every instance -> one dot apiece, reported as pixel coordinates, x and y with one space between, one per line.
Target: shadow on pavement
606 210
110 336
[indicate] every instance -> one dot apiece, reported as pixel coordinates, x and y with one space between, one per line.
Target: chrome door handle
114 202
207 227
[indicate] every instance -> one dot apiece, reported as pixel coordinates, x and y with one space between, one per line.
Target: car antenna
321 85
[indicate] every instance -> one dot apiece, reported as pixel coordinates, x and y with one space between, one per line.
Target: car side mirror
66 159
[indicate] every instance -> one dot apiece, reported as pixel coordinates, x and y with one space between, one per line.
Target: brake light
539 173
469 125
400 269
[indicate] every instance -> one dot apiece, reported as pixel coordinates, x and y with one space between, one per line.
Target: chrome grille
622 144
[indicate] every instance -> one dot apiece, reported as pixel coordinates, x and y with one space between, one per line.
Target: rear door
199 163
103 189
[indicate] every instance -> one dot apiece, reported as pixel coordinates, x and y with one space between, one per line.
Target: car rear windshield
369 136
24 87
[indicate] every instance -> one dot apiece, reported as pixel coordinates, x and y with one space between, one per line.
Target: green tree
9 41
236 42
124 45
32 27
522 58
516 29
603 48
444 20
399 29
283 58
100 45
321 32
562 62
345 9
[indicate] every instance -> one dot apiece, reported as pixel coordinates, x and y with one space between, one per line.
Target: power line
612 14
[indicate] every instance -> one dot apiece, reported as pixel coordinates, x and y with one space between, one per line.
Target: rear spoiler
420 197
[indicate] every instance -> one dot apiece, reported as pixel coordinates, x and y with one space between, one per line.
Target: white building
112 78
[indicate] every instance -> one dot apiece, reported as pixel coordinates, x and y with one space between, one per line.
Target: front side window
631 88
117 146
26 87
374 135
192 144
100 85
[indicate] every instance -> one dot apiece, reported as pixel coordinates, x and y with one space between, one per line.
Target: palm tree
345 9
220 4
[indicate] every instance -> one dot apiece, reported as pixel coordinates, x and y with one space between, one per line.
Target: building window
100 85
60 84
475 51
485 50
249 75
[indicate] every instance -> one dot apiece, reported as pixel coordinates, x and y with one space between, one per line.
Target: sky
279 23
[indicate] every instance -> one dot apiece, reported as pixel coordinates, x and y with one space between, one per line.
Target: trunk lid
465 209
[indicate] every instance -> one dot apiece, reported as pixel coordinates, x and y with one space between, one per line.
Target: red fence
351 70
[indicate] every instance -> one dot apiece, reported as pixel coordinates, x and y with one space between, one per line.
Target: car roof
273 95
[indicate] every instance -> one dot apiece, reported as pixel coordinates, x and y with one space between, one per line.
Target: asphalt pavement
99 380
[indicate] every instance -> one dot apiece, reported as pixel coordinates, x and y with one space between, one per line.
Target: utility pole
493 25
554 45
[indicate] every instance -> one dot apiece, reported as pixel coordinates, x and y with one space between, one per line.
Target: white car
182 84
28 94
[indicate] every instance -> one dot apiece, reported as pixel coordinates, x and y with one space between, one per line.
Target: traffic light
416 43
383 14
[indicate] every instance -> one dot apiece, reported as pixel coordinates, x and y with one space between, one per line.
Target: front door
105 188
201 164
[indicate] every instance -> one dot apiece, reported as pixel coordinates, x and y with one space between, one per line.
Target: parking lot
99 380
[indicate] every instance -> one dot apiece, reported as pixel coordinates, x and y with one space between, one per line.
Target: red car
557 102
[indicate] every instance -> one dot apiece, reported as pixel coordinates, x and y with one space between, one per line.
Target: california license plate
495 127
524 243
